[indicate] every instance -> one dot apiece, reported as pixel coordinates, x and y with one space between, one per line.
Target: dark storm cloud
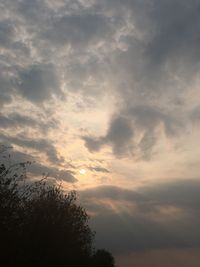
162 216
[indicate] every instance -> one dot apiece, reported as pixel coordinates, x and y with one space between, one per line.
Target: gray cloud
161 257
7 33
146 120
99 169
41 145
163 216
177 36
183 193
158 66
37 169
6 86
145 53
77 29
112 192
32 11
195 115
38 83
144 67
16 120
119 136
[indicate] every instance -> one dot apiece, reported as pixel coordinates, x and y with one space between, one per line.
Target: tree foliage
40 225
102 258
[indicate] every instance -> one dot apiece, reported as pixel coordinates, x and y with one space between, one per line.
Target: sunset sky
104 97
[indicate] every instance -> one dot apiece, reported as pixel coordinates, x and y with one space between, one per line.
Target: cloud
160 216
90 51
181 29
99 169
37 169
157 257
38 83
7 33
6 86
41 145
79 47
16 120
79 29
145 120
140 62
195 115
119 136
32 11
151 72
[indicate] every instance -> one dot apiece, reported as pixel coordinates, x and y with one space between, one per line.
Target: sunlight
82 171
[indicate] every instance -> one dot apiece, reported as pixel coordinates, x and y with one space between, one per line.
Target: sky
103 97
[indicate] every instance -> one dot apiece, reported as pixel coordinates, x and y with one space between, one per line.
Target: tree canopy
41 225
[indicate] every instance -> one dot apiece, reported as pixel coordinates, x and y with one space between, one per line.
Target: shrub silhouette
40 225
102 258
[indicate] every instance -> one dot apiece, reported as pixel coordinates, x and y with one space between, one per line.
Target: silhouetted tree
40 225
103 258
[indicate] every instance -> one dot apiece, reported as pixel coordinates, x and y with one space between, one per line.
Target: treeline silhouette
40 225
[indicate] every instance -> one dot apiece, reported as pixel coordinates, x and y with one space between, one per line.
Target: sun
82 171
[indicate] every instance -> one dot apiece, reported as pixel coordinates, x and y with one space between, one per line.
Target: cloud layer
94 47
163 216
